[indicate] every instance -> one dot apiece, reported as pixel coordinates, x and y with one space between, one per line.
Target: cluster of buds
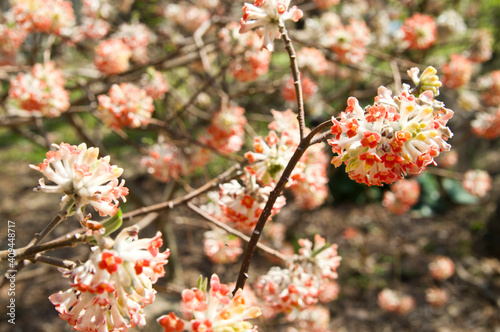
441 268
268 14
248 61
112 56
395 301
221 247
308 278
242 205
109 291
168 161
127 105
402 196
477 182
226 132
420 31
81 176
154 83
50 16
396 136
349 42
40 92
457 72
212 310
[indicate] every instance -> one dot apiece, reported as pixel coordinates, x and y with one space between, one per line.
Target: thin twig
64 263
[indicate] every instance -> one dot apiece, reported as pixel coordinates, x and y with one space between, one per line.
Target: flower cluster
268 14
396 136
154 83
311 319
190 17
11 37
80 175
477 182
487 124
242 205
127 105
226 131
395 301
403 195
221 247
40 92
309 277
136 37
109 291
441 268
312 60
491 86
112 56
457 72
482 47
309 88
420 31
436 297
214 310
50 16
349 42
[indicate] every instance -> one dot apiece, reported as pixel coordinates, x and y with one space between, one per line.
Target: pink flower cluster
477 182
395 301
349 42
12 36
80 175
221 247
40 92
487 124
50 16
420 31
136 37
312 60
154 83
308 278
395 136
457 72
112 56
268 14
402 196
248 61
109 291
127 105
226 131
436 297
441 268
212 310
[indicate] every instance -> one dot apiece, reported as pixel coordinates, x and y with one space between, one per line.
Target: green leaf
457 192
113 223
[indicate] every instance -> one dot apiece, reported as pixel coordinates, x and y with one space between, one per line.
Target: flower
403 195
80 175
214 310
396 136
441 268
221 247
268 14
349 42
487 124
109 291
126 106
242 205
154 83
420 31
226 132
309 88
427 81
395 301
457 72
136 36
50 16
112 56
40 92
477 182
490 84
481 49
312 59
436 297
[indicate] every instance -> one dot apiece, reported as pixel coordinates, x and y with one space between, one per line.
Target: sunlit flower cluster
226 131
268 14
420 31
309 276
309 88
312 319
12 37
136 36
80 175
490 84
481 49
50 16
441 268
396 136
190 17
349 42
487 124
212 310
242 204
450 24
395 301
112 56
109 291
312 60
221 247
95 15
457 72
477 182
436 297
126 105
154 83
402 196
40 92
